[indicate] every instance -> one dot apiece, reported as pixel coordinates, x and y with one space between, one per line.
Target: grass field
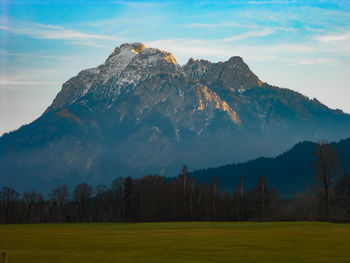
177 242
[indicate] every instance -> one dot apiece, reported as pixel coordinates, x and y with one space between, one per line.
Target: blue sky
301 45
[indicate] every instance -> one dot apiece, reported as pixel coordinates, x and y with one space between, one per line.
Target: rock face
140 112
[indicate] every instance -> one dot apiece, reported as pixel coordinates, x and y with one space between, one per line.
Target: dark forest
155 198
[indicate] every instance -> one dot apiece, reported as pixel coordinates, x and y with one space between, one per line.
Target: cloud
203 25
20 78
218 25
41 31
334 37
316 61
256 33
338 43
7 82
272 2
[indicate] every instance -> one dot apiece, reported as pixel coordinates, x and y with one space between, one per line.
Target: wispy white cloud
142 3
218 25
314 29
9 82
41 31
316 61
11 62
334 37
21 78
337 42
251 34
272 2
33 54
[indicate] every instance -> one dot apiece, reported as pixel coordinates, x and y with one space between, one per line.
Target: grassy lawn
177 242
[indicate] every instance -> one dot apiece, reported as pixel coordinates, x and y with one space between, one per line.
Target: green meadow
177 242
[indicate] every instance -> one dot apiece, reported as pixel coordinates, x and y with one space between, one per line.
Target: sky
300 45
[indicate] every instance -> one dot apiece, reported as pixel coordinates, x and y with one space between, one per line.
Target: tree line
155 198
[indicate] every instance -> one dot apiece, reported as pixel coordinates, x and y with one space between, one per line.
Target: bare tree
59 198
326 170
129 204
82 193
185 189
8 197
215 192
343 193
193 182
101 189
238 198
59 195
31 199
100 201
262 190
118 198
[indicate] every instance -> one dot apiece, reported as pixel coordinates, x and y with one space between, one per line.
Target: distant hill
142 113
290 172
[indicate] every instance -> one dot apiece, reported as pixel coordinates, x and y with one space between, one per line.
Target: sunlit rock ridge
141 112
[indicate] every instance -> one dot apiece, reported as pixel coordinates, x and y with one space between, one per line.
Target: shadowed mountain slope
290 172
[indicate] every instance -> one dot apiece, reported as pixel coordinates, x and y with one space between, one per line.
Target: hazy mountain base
141 113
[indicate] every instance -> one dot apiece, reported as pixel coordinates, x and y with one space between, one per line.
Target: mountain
141 112
290 172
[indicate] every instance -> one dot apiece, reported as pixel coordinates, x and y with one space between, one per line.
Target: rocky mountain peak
127 51
133 47
128 64
237 75
131 63
233 75
236 59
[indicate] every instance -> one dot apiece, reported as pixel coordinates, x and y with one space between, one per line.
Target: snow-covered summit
131 63
125 67
119 60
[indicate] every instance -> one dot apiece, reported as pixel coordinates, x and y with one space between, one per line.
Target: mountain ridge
140 112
